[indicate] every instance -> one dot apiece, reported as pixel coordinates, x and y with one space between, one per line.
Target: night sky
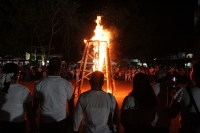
167 26
143 28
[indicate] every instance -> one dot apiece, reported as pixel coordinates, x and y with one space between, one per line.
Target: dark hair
10 68
54 64
97 78
159 76
143 92
195 73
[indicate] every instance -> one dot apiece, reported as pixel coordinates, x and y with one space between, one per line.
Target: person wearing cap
94 106
161 122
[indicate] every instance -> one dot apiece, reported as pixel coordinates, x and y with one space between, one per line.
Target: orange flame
100 33
100 50
102 38
108 90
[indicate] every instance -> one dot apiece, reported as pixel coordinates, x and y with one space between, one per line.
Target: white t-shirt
184 104
11 103
128 103
139 115
94 107
161 117
53 93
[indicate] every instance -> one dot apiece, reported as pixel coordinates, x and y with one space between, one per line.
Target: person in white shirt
94 106
182 103
129 75
52 94
15 102
126 75
162 121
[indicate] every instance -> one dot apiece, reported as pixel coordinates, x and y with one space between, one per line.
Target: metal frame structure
88 57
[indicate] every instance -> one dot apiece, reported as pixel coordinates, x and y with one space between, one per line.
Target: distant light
155 59
188 64
145 64
139 64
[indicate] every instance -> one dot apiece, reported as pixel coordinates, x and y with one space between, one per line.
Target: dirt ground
122 89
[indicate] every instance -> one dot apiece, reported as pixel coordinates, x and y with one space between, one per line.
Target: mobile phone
174 81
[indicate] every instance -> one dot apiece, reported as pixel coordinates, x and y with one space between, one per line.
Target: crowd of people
158 95
34 73
127 73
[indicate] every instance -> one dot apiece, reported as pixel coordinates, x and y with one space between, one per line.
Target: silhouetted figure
161 122
182 103
139 107
94 107
15 101
51 95
182 77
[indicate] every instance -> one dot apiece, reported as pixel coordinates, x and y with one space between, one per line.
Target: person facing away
139 107
189 118
52 94
15 101
94 106
182 77
161 122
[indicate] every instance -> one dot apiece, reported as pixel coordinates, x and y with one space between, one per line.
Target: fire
100 33
100 50
108 90
102 38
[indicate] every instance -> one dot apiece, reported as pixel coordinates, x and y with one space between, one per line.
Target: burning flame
108 90
100 50
100 33
102 38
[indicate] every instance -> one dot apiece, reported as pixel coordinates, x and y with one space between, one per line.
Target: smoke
113 32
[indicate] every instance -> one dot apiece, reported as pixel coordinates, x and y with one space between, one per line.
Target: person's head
10 71
151 70
97 80
143 92
159 76
54 66
195 73
182 71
